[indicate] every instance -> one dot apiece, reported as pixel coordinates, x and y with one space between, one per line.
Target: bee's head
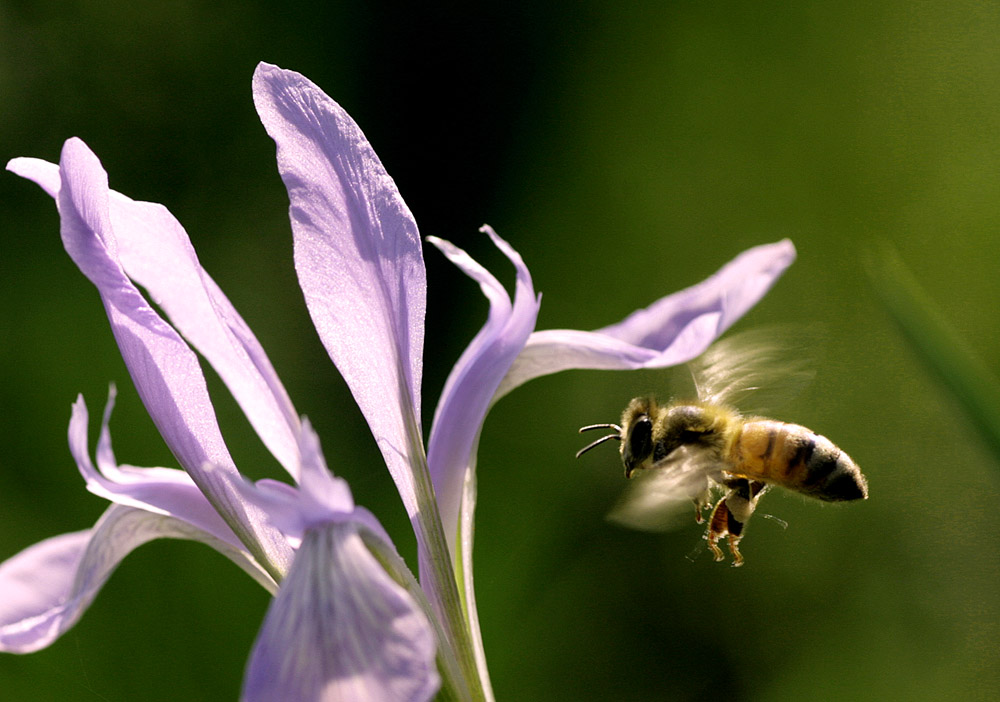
637 434
651 432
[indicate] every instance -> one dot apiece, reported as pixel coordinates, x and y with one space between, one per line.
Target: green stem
443 588
938 344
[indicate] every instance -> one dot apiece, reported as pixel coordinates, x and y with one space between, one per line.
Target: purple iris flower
348 620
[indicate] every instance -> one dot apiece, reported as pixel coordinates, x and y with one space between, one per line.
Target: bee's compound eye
639 443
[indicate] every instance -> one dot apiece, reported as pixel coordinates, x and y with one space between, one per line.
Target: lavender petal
341 629
154 251
471 384
165 491
164 369
358 257
672 330
47 587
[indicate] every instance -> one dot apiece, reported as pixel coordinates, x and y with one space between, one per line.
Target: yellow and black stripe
796 458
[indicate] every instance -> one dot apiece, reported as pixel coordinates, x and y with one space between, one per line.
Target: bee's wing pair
757 370
662 497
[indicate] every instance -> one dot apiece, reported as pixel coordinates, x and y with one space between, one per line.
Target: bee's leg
740 505
718 526
735 528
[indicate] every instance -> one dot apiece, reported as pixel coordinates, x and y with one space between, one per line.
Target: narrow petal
323 493
165 370
154 250
45 174
475 377
459 417
358 258
341 629
467 524
672 330
724 297
47 587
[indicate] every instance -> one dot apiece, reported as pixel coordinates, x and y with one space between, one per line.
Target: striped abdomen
796 458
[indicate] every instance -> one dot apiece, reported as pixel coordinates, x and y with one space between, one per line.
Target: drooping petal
475 377
358 258
672 330
164 369
35 584
48 586
165 491
154 251
341 629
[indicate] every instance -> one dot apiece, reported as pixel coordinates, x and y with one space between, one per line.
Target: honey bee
687 450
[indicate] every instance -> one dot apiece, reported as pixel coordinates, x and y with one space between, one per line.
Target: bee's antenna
601 426
600 441
597 443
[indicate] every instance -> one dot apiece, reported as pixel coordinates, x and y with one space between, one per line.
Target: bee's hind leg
723 523
718 526
730 515
735 534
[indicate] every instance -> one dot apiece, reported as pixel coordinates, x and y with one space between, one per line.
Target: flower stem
442 590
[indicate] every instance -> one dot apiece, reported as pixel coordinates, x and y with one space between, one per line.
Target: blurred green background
626 149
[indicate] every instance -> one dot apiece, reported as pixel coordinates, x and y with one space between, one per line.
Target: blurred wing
660 498
761 367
